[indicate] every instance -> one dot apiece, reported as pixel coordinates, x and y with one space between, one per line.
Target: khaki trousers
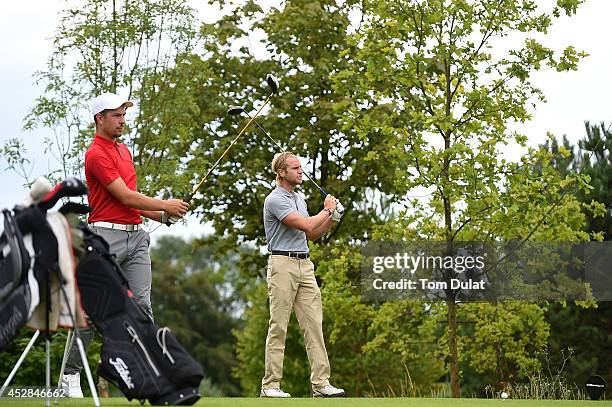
292 284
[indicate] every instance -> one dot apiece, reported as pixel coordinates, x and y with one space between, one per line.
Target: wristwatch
328 211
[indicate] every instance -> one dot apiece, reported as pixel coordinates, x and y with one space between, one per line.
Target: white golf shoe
327 391
276 393
71 384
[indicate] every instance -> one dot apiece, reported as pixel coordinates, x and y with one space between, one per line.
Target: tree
122 47
112 46
595 162
302 52
303 40
592 159
428 79
583 329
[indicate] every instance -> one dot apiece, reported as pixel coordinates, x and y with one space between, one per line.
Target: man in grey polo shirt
291 280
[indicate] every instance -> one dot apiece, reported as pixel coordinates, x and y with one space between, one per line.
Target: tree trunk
452 347
450 299
114 74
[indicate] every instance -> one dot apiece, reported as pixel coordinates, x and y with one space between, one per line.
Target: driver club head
595 387
272 83
235 110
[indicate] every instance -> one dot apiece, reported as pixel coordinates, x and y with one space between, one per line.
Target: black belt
298 255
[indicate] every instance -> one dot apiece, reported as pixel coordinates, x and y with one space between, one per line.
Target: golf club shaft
282 149
197 187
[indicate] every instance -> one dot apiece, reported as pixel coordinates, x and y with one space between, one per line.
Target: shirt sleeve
102 168
280 207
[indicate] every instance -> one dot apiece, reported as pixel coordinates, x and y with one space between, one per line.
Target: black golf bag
141 359
18 293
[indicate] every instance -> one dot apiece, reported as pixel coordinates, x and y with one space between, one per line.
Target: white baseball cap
108 101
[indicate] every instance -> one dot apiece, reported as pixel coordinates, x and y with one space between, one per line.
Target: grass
306 402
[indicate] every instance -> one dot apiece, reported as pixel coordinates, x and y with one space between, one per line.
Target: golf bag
18 287
141 359
35 259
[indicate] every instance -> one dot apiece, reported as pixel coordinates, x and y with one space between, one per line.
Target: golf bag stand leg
92 386
19 362
48 370
69 340
69 343
25 352
79 342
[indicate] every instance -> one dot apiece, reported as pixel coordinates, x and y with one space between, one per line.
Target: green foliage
594 161
574 325
14 153
586 331
426 78
387 342
303 53
384 101
122 47
504 338
32 371
303 40
366 345
251 341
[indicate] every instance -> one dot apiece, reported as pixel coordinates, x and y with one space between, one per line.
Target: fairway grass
339 402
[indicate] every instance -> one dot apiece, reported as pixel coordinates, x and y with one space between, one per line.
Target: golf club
273 85
236 110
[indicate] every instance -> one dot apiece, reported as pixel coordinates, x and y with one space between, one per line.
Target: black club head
595 387
272 83
235 110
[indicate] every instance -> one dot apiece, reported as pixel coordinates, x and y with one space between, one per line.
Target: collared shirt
278 204
105 161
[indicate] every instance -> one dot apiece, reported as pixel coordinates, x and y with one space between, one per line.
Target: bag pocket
13 315
125 365
171 357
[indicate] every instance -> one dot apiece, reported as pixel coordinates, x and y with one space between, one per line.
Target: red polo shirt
105 161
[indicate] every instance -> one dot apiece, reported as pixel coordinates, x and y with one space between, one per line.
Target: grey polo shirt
278 204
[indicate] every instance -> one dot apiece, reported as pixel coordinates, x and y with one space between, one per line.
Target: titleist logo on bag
123 371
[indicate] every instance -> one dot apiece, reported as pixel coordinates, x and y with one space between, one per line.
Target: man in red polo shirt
117 209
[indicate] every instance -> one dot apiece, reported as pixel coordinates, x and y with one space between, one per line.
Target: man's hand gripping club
175 209
338 210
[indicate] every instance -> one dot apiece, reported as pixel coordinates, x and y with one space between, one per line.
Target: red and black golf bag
141 359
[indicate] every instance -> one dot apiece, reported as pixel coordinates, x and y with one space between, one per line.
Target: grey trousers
132 251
